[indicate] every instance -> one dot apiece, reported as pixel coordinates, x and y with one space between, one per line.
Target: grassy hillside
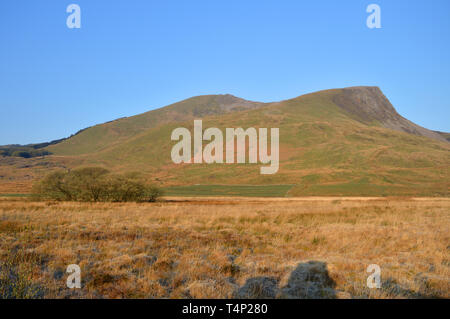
105 135
445 135
327 146
323 151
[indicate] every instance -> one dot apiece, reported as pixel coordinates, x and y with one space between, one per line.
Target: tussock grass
224 248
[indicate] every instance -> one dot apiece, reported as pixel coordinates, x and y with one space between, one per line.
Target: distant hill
347 141
102 136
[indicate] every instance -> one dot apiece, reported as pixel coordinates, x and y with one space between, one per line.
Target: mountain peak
368 104
203 105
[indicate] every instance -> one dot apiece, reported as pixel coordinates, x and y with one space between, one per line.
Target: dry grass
224 248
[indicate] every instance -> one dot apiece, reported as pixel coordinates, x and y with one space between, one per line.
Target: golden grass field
227 248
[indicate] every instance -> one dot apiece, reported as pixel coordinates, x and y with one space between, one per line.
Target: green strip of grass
15 195
229 190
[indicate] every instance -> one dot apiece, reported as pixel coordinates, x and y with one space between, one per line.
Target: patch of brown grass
223 248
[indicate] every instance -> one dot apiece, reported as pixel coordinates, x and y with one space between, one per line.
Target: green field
229 190
15 195
215 190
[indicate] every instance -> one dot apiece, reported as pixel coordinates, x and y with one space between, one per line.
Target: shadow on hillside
309 280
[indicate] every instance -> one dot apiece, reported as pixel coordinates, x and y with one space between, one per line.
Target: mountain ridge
198 107
332 142
386 115
373 105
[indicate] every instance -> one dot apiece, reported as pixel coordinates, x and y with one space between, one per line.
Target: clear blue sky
133 56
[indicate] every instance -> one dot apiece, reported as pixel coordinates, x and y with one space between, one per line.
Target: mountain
369 105
347 141
102 136
444 135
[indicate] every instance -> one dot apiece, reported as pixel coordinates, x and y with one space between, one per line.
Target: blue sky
133 56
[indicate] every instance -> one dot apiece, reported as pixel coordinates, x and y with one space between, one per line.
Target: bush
153 193
23 152
95 184
87 184
120 189
55 186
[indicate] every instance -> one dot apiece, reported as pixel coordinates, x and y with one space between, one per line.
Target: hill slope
99 137
369 105
366 105
336 142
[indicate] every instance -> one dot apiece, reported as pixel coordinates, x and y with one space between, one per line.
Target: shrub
25 153
153 193
87 184
55 186
120 189
95 184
